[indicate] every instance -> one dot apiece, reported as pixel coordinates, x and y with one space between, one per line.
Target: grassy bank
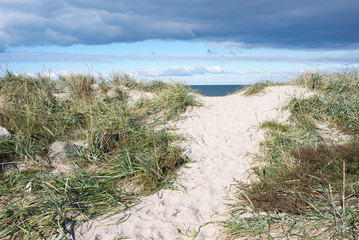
256 88
308 168
124 149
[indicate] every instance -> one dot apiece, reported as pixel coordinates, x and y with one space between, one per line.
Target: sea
216 90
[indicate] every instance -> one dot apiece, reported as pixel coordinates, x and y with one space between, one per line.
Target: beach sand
221 134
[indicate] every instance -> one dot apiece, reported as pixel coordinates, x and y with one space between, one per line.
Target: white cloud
180 71
346 58
231 45
252 71
189 71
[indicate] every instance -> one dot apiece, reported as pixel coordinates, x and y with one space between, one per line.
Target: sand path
222 133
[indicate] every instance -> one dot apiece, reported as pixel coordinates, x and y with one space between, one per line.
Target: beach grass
125 148
306 171
307 168
256 88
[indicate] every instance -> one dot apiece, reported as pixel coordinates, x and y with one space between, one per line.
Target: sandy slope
222 133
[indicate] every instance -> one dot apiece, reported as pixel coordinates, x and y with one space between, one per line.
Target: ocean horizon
216 90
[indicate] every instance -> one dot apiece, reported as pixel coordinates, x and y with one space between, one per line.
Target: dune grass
123 144
308 180
256 88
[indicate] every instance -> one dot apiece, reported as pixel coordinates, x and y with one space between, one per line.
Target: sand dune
220 134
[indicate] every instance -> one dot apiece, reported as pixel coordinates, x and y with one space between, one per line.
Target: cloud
302 24
179 71
285 75
253 71
53 57
211 52
345 58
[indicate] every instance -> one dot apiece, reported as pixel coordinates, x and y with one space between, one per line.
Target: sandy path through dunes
222 132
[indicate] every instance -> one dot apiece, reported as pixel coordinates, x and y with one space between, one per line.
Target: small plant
309 80
154 86
256 88
125 80
274 125
175 99
81 86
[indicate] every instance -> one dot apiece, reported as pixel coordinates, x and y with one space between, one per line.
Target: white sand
223 132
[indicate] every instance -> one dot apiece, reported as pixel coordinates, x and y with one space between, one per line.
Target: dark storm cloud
272 23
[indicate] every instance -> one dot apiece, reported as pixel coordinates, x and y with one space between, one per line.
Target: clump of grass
308 186
177 99
123 145
309 80
80 85
39 206
28 105
174 100
340 112
125 80
256 88
274 125
154 86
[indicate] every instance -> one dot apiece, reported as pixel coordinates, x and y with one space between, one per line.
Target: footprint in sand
220 141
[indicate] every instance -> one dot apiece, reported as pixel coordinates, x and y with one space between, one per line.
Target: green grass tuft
256 88
274 125
124 144
176 99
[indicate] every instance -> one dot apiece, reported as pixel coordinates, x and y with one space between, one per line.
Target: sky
195 41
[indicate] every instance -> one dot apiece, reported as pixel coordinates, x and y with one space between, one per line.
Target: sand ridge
220 134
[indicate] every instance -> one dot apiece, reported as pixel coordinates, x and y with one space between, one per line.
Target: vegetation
308 180
256 88
122 143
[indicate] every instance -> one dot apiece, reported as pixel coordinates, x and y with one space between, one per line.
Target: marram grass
256 88
307 184
125 143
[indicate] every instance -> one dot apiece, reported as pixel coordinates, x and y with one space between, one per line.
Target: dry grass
309 185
